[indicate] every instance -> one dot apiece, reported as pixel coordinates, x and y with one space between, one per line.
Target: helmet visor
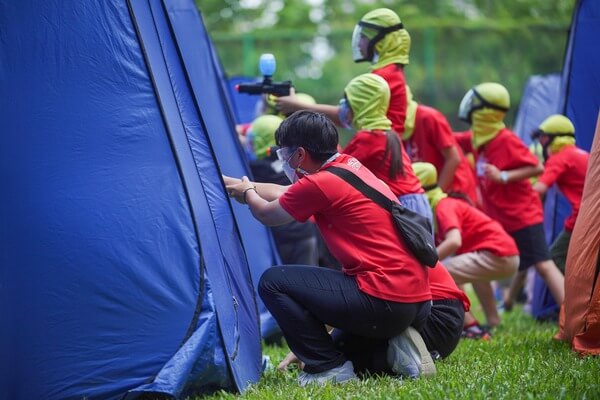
357 56
466 105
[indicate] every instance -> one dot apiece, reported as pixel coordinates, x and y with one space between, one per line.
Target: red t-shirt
431 135
567 169
394 76
369 148
358 232
515 205
465 141
443 286
478 231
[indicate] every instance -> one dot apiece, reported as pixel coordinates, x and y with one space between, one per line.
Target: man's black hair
313 131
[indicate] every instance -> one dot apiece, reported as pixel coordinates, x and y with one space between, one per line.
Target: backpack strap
362 187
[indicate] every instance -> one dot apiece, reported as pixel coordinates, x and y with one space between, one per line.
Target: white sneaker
408 356
342 374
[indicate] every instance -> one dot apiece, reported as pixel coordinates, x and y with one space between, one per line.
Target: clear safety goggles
285 153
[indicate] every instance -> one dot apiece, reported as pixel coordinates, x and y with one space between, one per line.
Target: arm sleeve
518 155
440 133
446 218
552 171
303 199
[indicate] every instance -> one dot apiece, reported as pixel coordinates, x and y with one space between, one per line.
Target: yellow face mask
484 108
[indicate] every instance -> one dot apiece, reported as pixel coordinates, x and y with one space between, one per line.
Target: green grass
521 361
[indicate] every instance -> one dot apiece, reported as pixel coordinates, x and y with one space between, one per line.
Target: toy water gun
266 65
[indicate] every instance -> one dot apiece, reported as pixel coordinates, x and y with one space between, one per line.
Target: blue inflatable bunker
122 267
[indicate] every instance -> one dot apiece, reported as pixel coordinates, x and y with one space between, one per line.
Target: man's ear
302 155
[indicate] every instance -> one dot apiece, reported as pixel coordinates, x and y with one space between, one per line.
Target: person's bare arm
451 161
540 187
289 104
268 191
452 242
513 175
269 213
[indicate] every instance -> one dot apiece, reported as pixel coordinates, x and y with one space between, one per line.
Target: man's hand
230 180
289 360
237 187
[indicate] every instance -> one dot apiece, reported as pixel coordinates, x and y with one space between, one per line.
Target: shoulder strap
362 187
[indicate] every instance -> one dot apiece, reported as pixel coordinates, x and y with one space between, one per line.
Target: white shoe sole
411 344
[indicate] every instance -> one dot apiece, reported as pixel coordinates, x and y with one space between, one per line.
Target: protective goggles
285 153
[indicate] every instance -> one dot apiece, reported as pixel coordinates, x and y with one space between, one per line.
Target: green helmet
261 134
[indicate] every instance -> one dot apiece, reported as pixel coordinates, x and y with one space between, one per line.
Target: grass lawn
521 361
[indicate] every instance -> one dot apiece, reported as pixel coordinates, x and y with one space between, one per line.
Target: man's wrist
504 177
245 193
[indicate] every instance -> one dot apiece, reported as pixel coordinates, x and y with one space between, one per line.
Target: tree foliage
455 43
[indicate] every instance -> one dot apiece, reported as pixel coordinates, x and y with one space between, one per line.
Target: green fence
447 59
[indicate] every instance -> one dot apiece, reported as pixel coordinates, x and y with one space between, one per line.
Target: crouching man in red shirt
382 291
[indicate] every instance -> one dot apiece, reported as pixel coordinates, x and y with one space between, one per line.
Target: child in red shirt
504 165
375 145
565 165
428 138
381 39
482 251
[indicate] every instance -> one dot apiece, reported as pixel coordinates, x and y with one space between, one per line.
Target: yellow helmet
556 125
560 131
488 95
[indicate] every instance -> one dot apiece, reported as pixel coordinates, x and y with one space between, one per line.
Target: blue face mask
345 114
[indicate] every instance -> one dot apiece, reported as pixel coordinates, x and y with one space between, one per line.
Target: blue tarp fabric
540 99
122 268
244 106
581 72
579 99
208 85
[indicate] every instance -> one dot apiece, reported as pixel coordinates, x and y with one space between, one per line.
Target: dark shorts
532 245
559 248
444 326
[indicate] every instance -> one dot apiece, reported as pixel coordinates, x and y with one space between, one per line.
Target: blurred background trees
455 43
